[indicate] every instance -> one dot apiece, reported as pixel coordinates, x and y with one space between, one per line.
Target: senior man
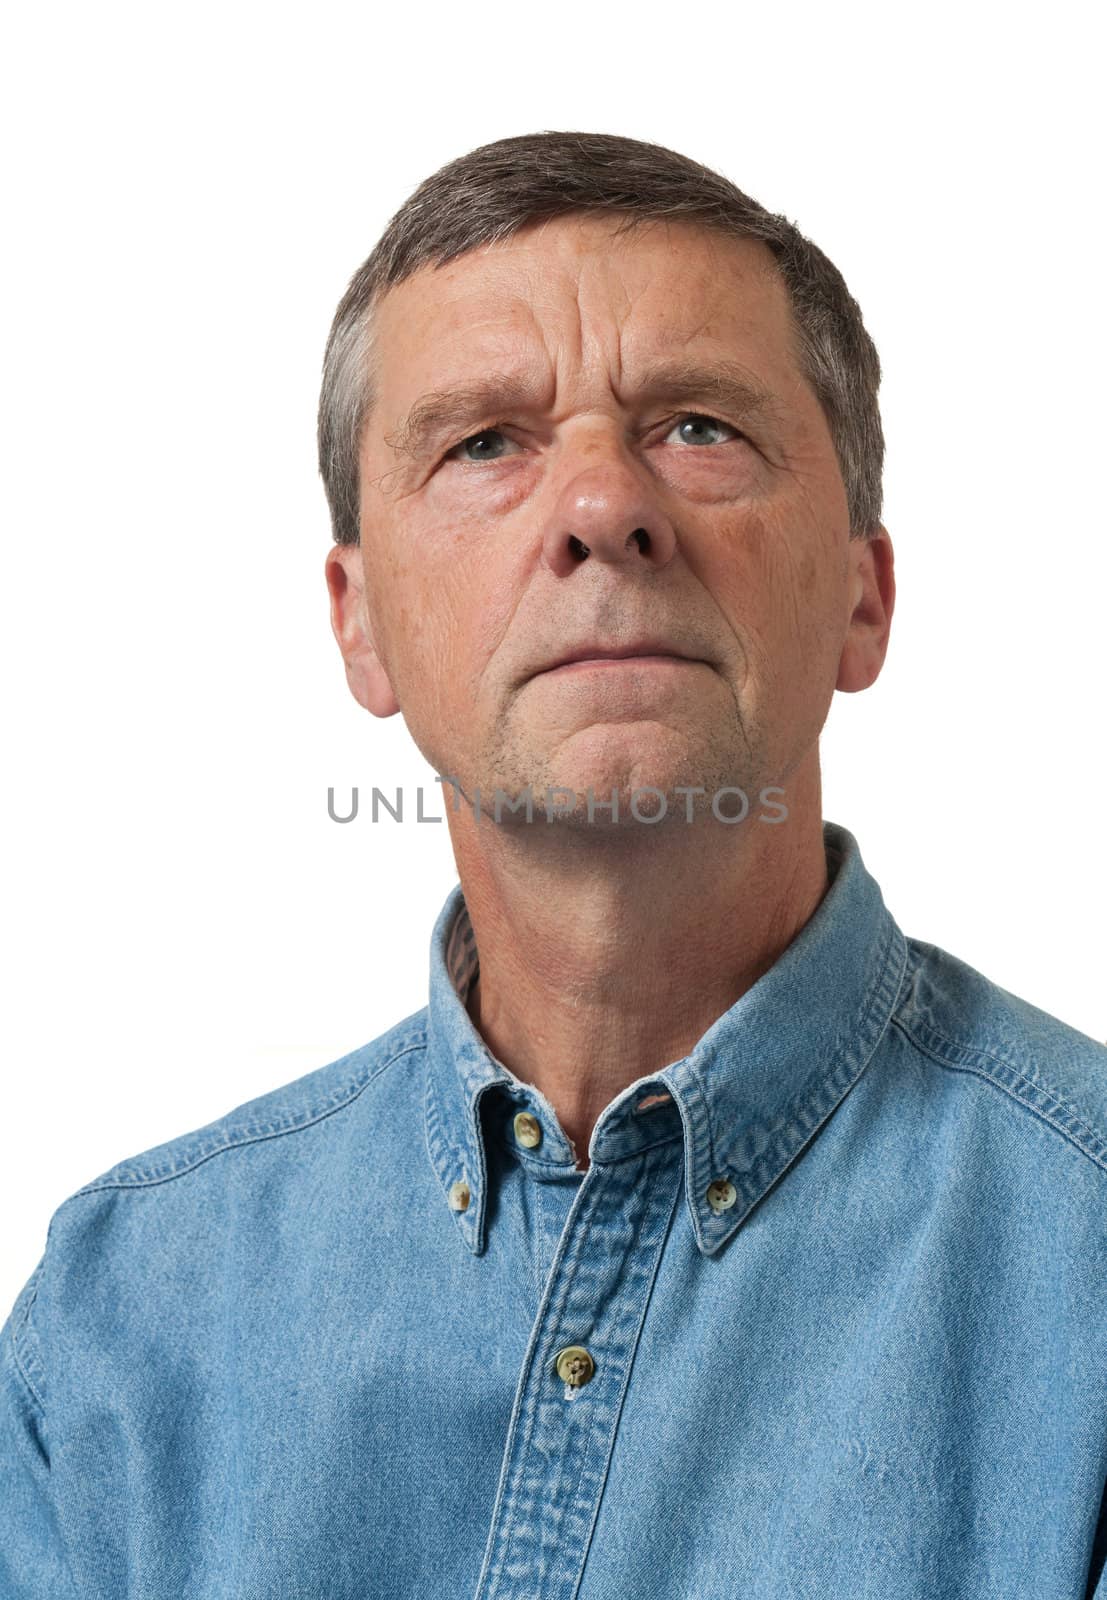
704 1235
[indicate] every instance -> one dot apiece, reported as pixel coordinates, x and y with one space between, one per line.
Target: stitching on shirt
538 1279
816 1100
704 1111
1054 1110
234 1139
22 1378
21 1328
561 1278
638 1151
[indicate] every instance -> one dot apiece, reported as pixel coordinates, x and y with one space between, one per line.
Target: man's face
642 399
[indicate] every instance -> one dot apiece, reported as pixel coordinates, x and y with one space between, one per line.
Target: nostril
578 549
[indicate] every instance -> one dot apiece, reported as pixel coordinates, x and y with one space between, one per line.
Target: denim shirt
826 1316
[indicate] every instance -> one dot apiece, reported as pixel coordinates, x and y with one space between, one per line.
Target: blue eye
483 438
492 444
697 419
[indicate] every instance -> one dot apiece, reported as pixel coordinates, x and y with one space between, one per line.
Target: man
704 1235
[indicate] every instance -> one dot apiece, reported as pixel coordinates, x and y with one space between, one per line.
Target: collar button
721 1194
528 1130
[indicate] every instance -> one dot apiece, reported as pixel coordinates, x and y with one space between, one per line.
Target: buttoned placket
575 1372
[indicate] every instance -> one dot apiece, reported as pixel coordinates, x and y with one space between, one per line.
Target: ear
872 591
365 673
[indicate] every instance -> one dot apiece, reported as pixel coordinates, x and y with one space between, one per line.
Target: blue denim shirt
825 1316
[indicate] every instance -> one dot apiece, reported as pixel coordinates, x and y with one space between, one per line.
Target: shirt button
721 1194
459 1195
574 1365
528 1130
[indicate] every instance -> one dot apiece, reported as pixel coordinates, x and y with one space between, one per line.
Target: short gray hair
494 191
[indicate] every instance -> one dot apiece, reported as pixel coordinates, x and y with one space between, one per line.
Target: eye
696 428
486 443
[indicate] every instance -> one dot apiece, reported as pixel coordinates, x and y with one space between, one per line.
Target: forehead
581 293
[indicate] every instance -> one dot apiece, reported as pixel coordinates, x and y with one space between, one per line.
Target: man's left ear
872 590
365 673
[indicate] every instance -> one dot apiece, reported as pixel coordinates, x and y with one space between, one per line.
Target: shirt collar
746 1100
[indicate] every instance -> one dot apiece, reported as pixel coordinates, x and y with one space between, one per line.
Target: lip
610 663
647 652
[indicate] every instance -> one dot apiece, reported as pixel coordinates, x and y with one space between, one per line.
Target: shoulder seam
1042 1102
253 1135
21 1326
23 1376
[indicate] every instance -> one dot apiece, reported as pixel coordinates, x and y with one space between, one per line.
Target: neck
604 960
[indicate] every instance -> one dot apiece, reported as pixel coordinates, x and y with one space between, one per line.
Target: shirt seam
1054 1111
24 1338
17 1360
250 1135
812 1105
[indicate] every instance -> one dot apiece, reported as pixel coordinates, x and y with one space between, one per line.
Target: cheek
449 610
778 586
735 555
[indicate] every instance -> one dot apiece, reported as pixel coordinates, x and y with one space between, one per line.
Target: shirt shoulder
287 1109
965 1022
95 1235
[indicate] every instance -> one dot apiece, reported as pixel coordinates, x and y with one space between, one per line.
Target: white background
188 192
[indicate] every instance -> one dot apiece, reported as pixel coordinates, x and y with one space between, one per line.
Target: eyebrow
726 384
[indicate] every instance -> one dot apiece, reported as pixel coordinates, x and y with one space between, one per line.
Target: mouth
613 663
650 653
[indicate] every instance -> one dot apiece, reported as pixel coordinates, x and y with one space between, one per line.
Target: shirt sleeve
33 1564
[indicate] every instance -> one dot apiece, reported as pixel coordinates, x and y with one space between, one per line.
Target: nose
607 511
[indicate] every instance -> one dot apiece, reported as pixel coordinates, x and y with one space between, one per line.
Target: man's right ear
365 673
